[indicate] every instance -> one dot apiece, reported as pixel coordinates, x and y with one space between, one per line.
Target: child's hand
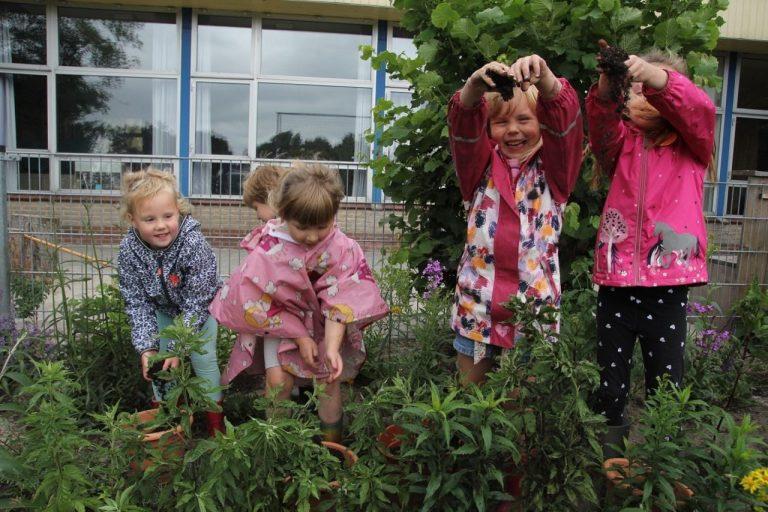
335 364
643 71
167 364
308 351
479 83
533 70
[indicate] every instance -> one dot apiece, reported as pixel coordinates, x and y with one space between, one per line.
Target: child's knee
278 378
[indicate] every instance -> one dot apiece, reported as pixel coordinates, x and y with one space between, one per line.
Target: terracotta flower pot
617 470
169 442
389 441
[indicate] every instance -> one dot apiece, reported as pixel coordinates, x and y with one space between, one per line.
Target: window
751 95
223 44
313 49
22 33
221 126
402 42
26 97
305 94
312 122
122 115
99 38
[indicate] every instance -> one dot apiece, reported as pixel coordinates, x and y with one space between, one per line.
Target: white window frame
52 69
255 78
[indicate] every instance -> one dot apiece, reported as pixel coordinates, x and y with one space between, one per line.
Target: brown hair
309 194
141 185
260 182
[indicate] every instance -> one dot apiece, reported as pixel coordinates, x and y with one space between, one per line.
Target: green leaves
465 29
444 15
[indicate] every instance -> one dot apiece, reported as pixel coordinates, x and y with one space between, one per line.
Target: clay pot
169 442
617 469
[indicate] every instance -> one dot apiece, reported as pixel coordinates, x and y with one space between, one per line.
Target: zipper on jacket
640 204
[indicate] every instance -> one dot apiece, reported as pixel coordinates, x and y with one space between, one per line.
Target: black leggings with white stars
654 315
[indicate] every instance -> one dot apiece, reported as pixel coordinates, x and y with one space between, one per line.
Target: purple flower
433 272
699 308
711 340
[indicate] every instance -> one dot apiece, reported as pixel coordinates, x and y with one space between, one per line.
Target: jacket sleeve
607 130
138 307
201 281
562 130
470 145
348 292
689 110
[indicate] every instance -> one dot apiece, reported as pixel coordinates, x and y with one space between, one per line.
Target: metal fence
77 228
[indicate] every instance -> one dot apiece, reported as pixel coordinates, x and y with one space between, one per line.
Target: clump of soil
505 85
611 59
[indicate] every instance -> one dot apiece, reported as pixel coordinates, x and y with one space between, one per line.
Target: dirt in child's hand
505 85
156 368
611 62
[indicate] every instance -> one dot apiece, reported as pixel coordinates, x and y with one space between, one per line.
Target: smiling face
156 219
308 235
515 128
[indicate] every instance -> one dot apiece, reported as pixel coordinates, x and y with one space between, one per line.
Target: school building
210 88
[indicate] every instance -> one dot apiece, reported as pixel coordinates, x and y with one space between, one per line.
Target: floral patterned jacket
286 290
514 215
182 278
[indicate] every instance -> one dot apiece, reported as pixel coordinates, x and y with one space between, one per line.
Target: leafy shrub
28 293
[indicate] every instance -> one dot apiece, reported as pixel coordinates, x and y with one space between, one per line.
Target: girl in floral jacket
302 296
166 268
517 161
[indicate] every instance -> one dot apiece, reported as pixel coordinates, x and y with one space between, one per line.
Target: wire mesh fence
64 214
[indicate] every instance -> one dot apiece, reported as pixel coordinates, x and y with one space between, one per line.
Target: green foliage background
454 38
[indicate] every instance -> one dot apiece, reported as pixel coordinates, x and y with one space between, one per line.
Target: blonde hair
308 194
141 185
260 182
498 107
666 58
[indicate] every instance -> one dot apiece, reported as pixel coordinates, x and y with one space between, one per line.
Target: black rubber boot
613 441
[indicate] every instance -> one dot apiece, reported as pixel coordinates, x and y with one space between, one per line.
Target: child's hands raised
308 351
479 82
533 70
640 70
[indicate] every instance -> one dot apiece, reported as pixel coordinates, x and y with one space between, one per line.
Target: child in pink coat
302 296
652 241
517 161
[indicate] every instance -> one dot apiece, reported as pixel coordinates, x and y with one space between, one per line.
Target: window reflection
303 48
27 126
101 173
750 150
222 119
402 42
22 33
117 39
312 122
753 71
122 115
221 178
223 44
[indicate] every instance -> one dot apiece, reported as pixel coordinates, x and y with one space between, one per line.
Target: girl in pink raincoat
651 246
302 296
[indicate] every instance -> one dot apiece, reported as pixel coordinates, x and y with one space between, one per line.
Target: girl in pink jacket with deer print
651 245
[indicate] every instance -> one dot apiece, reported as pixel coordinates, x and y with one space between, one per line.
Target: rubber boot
614 436
215 421
332 431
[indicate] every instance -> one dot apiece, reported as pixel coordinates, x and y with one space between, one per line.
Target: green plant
549 378
51 470
420 173
28 293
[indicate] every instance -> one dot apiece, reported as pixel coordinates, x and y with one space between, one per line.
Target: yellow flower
395 310
756 482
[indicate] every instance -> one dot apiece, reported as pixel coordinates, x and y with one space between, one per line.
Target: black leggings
654 315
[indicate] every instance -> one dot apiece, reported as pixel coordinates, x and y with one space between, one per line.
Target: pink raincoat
286 290
652 230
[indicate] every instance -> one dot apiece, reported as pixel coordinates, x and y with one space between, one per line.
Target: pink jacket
652 230
286 290
514 214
